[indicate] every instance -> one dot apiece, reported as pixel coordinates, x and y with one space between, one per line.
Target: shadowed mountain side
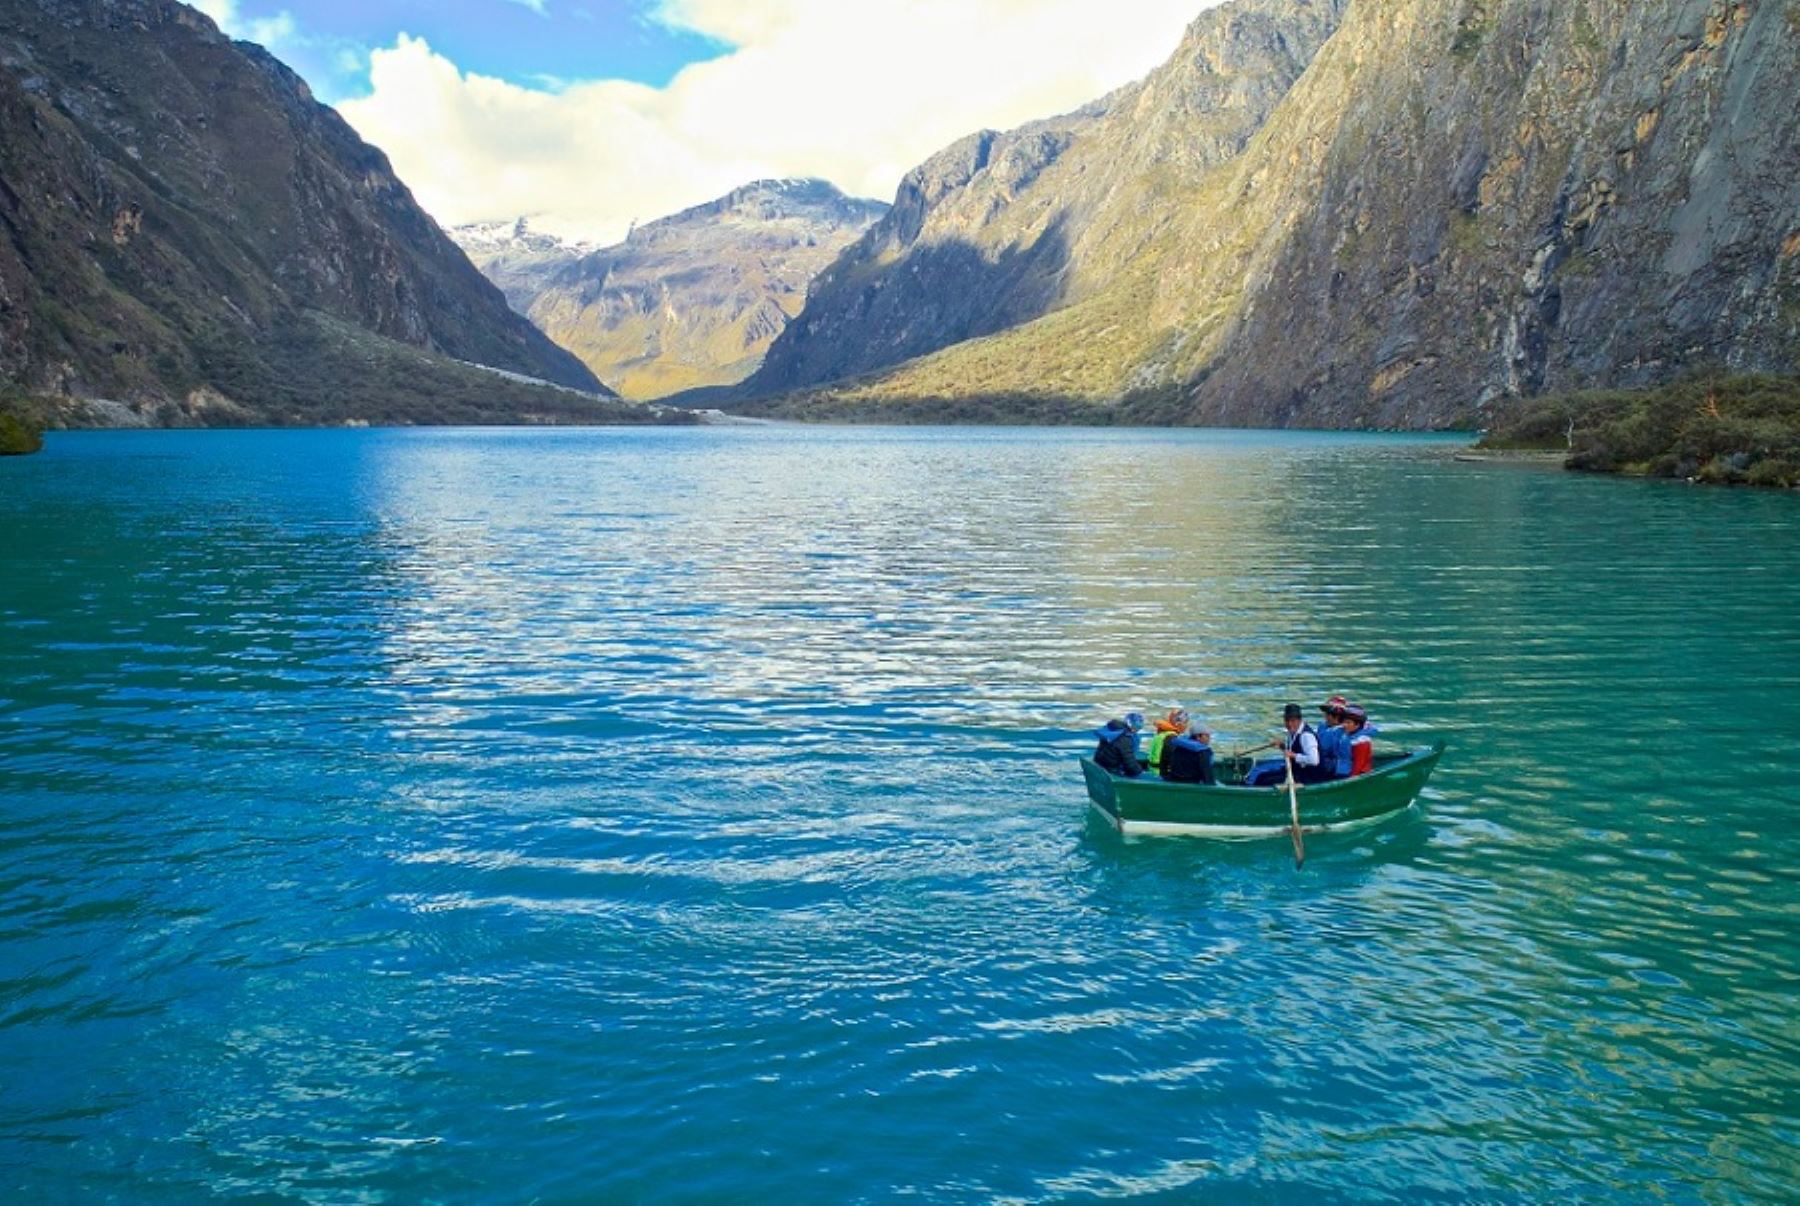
177 207
1111 178
954 288
322 371
1071 354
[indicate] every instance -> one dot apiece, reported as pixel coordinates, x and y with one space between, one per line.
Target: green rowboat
1148 805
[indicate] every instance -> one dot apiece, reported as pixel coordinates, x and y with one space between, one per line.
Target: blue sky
540 45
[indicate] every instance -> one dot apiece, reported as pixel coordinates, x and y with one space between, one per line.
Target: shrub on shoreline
21 429
1728 430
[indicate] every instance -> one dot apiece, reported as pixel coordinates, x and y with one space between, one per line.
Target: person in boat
1117 752
1334 747
1189 758
1300 748
1175 724
1362 748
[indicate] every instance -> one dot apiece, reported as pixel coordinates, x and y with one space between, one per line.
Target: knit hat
1175 722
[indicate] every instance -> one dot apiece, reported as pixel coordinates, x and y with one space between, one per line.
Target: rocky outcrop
182 219
1531 198
687 301
1454 205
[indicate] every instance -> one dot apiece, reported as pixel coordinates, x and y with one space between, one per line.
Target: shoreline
1513 456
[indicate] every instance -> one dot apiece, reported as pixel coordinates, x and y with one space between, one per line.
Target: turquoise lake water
693 815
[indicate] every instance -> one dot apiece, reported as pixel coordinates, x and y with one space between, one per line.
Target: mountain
188 232
517 258
1002 228
686 301
1454 203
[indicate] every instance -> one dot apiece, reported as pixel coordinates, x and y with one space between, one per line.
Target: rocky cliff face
187 226
687 301
1454 204
1002 228
1534 197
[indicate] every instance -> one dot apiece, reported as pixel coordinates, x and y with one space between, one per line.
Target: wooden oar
1294 804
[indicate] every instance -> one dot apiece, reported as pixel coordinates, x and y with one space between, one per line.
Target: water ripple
690 815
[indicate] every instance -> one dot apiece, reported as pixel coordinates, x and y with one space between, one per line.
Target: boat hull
1147 805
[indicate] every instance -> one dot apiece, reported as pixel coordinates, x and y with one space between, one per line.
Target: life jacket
1334 751
1116 753
1322 773
1293 741
1159 744
1362 754
1187 761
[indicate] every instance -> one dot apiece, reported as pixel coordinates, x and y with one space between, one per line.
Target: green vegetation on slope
21 429
1743 429
991 410
327 371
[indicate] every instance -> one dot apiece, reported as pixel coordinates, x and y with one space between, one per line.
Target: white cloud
221 11
268 32
856 91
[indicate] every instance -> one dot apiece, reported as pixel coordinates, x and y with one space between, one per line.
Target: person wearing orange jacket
1175 724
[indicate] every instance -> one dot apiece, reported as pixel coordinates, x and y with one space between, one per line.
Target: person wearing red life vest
1362 748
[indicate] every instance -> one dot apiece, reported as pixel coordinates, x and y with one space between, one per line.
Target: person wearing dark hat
1334 747
1362 748
1300 749
1117 752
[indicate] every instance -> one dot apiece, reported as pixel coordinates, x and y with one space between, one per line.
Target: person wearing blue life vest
1189 758
1117 751
1334 746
